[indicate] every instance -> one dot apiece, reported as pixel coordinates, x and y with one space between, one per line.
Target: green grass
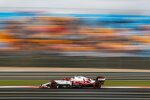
21 82
127 83
107 83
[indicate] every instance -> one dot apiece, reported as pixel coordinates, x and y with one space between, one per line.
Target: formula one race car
75 82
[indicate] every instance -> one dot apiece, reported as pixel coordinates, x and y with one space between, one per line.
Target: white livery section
63 82
82 78
101 79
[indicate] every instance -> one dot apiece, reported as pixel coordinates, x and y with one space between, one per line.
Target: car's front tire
54 85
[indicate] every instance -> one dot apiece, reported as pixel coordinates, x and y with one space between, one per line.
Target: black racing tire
54 85
97 85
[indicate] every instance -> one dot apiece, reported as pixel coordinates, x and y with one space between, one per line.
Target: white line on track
18 86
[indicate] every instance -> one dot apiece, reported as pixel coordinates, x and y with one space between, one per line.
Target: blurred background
97 33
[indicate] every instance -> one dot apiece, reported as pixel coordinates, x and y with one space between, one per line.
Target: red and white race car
75 82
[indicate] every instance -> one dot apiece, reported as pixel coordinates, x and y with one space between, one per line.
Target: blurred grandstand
100 35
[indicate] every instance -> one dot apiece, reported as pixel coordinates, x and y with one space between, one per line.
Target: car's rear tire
97 85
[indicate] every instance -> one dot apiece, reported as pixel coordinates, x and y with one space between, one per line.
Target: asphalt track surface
60 75
74 94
